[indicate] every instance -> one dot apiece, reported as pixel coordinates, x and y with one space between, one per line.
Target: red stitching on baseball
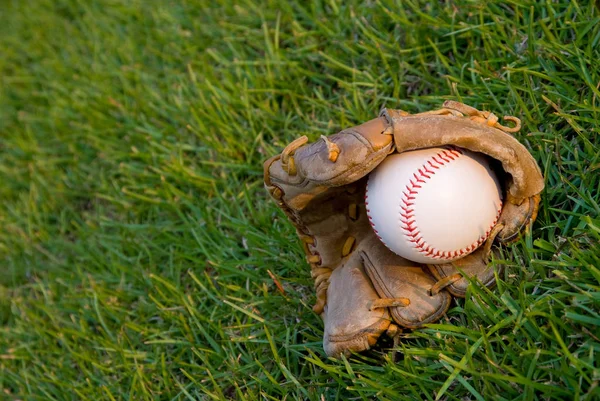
407 210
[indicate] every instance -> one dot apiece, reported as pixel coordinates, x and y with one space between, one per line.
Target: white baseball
433 205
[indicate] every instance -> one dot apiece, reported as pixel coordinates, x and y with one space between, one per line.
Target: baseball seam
407 211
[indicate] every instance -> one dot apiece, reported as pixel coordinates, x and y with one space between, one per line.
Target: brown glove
363 289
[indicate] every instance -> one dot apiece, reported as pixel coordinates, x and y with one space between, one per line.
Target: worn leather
362 288
474 265
349 292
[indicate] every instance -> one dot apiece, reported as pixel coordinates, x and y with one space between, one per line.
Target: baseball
433 205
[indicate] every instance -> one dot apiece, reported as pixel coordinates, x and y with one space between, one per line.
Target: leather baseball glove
362 288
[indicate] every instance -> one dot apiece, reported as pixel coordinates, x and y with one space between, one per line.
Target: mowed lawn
141 258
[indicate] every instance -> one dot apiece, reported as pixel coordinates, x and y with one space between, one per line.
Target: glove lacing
319 274
458 109
490 119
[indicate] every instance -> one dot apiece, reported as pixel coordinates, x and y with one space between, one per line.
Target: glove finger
336 160
516 218
349 325
396 279
454 276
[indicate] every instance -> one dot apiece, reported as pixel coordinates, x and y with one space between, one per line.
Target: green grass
136 237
